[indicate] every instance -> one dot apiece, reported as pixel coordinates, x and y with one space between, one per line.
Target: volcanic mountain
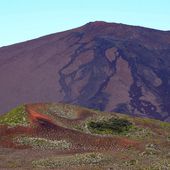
104 66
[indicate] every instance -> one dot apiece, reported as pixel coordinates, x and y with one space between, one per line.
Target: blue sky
21 20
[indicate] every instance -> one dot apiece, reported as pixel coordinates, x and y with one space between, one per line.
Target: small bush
113 125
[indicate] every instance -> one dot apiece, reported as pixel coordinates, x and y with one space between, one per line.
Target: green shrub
111 126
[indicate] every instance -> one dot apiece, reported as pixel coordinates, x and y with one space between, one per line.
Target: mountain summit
105 66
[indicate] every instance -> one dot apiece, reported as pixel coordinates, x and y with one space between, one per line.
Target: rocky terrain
104 66
61 137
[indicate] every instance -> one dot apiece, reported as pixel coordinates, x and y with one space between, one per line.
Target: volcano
104 66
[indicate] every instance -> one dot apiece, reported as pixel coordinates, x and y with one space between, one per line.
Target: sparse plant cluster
63 110
140 133
67 161
150 149
17 116
164 165
111 126
42 143
131 162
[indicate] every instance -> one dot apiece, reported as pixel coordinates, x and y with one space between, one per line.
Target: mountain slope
105 66
62 136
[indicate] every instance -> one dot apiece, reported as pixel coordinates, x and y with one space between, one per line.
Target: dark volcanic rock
105 66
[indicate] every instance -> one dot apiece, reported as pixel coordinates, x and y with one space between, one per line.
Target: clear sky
21 20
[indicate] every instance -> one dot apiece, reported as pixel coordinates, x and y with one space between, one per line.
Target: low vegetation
111 126
17 116
63 110
42 143
67 161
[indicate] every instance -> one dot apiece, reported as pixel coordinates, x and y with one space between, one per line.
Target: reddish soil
35 116
8 133
41 125
78 138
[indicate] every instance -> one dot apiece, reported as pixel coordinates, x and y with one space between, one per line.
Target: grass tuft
17 116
